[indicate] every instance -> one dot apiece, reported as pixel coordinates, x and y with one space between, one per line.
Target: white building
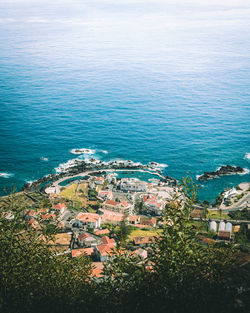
213 226
133 184
52 189
90 219
152 204
222 226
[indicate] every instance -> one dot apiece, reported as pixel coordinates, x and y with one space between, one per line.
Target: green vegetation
217 214
179 275
240 214
141 232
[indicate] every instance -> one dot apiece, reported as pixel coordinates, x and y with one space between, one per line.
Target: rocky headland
222 171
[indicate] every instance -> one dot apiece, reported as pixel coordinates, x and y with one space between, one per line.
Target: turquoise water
145 80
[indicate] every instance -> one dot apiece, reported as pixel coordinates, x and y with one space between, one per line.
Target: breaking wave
44 159
247 156
6 175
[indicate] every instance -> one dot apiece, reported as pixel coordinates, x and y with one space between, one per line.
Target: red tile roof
111 202
102 232
88 217
97 270
133 218
31 213
78 252
110 216
83 236
105 249
60 206
100 178
106 240
48 216
150 222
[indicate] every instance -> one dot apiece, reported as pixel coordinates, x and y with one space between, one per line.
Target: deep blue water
146 80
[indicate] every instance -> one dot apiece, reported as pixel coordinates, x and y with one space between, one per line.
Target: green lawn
141 233
217 214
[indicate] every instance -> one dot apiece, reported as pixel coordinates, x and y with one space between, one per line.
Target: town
88 211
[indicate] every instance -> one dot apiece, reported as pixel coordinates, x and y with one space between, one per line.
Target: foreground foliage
179 275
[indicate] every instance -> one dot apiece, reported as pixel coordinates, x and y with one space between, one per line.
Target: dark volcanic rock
222 171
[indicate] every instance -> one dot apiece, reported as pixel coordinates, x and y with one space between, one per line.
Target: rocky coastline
80 166
222 171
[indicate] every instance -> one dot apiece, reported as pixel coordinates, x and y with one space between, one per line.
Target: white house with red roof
105 194
92 220
60 207
99 180
104 251
152 204
111 216
120 207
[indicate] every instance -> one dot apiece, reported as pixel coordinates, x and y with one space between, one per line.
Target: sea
141 80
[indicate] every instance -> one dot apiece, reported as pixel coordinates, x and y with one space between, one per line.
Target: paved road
224 220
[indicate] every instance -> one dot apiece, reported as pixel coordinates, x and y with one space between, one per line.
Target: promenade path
234 222
87 173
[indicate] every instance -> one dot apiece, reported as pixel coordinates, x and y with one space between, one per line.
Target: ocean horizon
145 81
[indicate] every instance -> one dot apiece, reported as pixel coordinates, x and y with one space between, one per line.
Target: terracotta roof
102 232
88 217
48 216
141 252
31 213
83 236
106 240
133 218
208 240
150 222
78 252
97 270
100 178
111 216
125 204
105 249
143 240
111 202
33 223
60 206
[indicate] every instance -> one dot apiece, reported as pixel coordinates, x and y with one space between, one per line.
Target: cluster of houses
84 232
55 214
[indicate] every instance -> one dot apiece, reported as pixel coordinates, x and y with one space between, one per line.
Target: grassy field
79 195
142 233
217 214
69 192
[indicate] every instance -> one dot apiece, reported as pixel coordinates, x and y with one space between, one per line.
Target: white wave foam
82 151
197 177
6 175
64 166
158 166
105 151
246 171
247 156
44 159
29 181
